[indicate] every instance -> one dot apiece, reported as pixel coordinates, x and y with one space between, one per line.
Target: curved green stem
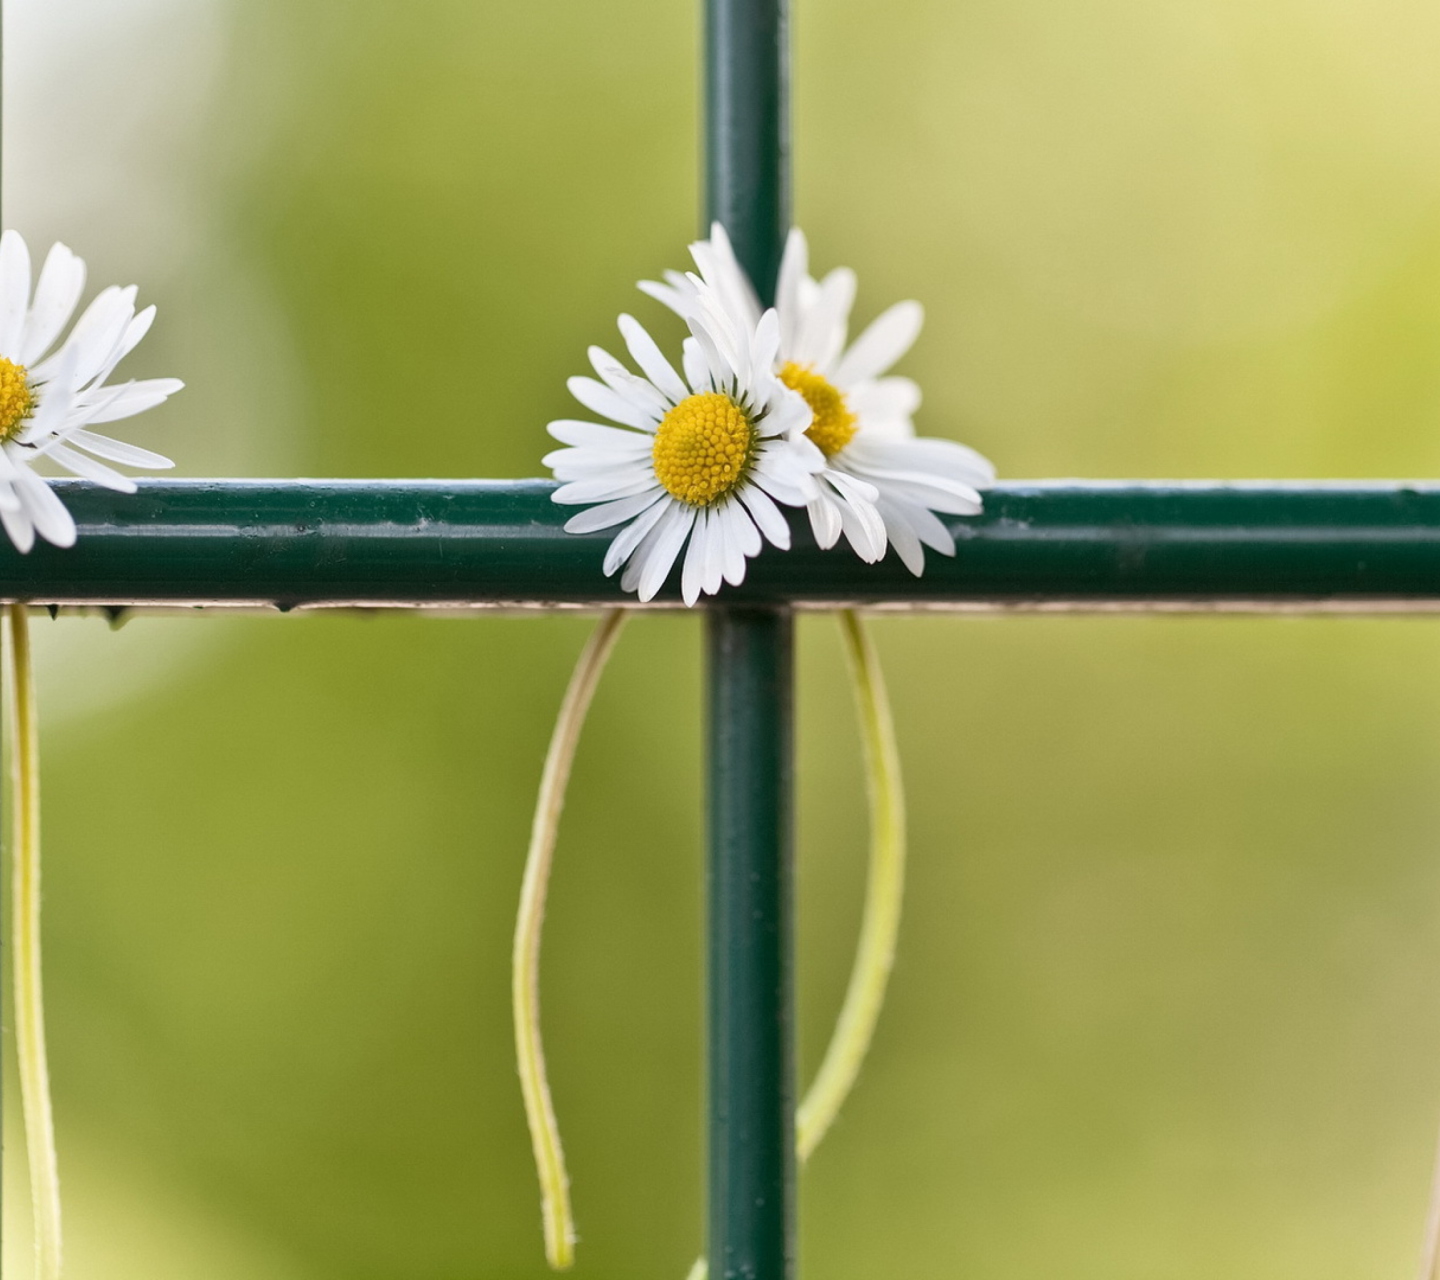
525 959
1430 1255
24 800
884 892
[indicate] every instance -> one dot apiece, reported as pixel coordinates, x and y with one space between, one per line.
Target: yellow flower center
17 401
834 426
703 448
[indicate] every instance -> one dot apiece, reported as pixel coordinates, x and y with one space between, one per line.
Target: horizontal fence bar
405 543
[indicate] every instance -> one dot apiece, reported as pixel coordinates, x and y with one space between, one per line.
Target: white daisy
48 402
705 457
881 483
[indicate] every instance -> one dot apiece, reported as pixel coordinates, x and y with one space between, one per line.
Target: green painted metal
751 1135
500 542
751 944
747 131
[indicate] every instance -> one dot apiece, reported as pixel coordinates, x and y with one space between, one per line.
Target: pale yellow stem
29 1014
884 891
1430 1257
525 971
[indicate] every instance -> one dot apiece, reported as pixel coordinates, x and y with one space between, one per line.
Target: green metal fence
295 544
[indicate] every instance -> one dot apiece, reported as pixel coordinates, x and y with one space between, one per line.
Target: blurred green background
1166 997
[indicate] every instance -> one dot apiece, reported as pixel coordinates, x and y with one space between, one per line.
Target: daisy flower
50 398
881 483
703 458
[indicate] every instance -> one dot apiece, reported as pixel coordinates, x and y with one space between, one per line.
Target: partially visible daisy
50 399
704 458
881 483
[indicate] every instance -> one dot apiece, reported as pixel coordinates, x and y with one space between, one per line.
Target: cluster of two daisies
773 409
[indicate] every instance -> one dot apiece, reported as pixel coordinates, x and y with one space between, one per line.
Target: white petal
889 337
128 340
741 529
719 370
608 514
693 571
788 414
591 435
62 280
824 514
131 398
605 489
765 343
885 404
614 471
789 461
100 326
99 330
715 553
902 536
56 399
936 492
118 451
808 291
723 272
677 292
864 529
599 398
722 355
822 332
656 554
794 267
19 527
647 354
630 537
740 540
697 369
766 515
928 454
89 469
852 486
52 521
588 461
792 495
620 380
14 294
928 527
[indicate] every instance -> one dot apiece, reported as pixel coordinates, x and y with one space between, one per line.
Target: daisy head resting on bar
49 399
697 464
881 484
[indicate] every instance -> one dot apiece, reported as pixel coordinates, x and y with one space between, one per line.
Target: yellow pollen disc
834 426
703 448
17 402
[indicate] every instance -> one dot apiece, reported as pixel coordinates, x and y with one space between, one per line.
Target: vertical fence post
751 1211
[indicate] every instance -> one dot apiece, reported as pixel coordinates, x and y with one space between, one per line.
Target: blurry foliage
1165 1003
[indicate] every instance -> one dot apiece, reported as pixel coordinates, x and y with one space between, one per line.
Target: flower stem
880 925
884 891
1430 1257
525 972
24 800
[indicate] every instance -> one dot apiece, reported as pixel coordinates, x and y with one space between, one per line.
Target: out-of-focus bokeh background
1168 998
